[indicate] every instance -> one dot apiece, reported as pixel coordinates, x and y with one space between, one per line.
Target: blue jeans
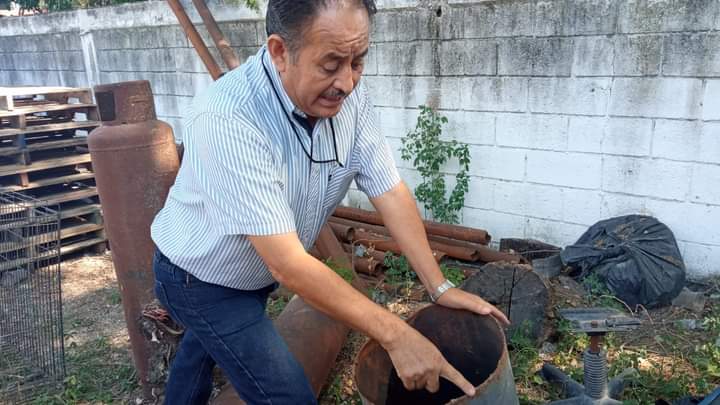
227 327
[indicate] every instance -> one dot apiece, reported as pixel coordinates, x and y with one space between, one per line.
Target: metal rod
197 42
222 44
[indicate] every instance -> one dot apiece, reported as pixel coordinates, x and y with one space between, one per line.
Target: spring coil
595 365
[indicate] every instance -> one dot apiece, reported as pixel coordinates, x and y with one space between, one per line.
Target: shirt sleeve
378 173
235 169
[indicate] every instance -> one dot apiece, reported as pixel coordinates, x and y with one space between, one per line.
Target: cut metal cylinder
473 344
134 165
125 102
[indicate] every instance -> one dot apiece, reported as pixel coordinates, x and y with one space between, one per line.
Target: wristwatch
440 290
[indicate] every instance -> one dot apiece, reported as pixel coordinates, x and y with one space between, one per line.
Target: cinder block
497 163
389 91
711 103
468 57
692 55
570 96
581 206
471 127
578 170
535 56
646 177
402 25
667 15
480 193
572 17
407 58
700 223
705 184
495 94
172 106
261 30
528 199
537 131
710 143
700 259
396 122
593 56
637 55
371 66
186 60
680 140
628 136
238 33
554 232
446 93
661 97
494 19
499 225
586 134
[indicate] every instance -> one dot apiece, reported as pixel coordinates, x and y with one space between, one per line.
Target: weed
275 306
398 270
342 271
453 274
428 153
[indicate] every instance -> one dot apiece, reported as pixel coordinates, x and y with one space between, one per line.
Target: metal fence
31 333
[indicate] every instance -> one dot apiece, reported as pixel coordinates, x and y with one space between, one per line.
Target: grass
97 373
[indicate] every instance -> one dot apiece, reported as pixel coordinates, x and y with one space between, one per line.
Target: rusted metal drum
134 165
313 338
473 344
125 102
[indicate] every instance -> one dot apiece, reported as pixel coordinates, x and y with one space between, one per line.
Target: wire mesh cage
31 335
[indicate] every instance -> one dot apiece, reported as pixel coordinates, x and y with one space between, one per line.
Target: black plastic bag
635 255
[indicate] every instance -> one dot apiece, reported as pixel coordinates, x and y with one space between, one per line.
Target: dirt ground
100 368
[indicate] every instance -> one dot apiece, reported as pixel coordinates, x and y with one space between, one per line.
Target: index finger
449 373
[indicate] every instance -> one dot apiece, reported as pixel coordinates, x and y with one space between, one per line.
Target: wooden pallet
43 154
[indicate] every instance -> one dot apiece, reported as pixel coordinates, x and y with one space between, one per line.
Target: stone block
468 57
471 127
661 97
535 56
572 17
581 206
480 193
578 170
536 131
172 106
585 134
700 259
497 163
488 20
554 232
405 59
593 56
237 33
499 225
495 94
402 25
705 184
526 199
692 55
636 16
628 136
646 177
569 96
637 55
711 103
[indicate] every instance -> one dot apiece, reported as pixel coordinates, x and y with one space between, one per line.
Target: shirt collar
287 103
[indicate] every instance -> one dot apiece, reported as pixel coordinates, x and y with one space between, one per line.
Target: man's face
330 60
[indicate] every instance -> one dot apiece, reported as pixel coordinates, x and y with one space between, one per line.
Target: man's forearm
401 217
324 290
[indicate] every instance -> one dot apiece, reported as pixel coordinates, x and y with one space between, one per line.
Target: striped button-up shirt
244 172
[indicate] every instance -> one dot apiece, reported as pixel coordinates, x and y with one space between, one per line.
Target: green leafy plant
453 274
342 271
398 269
429 154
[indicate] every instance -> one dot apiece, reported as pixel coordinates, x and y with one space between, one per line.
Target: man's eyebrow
335 56
363 54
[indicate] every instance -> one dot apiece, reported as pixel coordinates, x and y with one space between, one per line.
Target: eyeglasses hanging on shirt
303 122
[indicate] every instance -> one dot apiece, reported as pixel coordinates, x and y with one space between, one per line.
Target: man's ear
279 52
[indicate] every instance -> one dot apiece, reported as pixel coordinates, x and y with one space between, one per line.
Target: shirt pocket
339 181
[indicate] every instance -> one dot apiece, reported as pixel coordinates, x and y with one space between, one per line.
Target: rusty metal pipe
433 228
474 344
210 64
134 165
222 44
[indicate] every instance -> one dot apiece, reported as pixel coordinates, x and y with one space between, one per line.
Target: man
270 150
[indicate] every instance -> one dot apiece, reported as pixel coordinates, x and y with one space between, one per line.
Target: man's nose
344 80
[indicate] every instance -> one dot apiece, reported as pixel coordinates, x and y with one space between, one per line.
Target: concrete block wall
574 110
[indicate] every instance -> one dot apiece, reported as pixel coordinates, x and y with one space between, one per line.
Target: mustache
335 94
